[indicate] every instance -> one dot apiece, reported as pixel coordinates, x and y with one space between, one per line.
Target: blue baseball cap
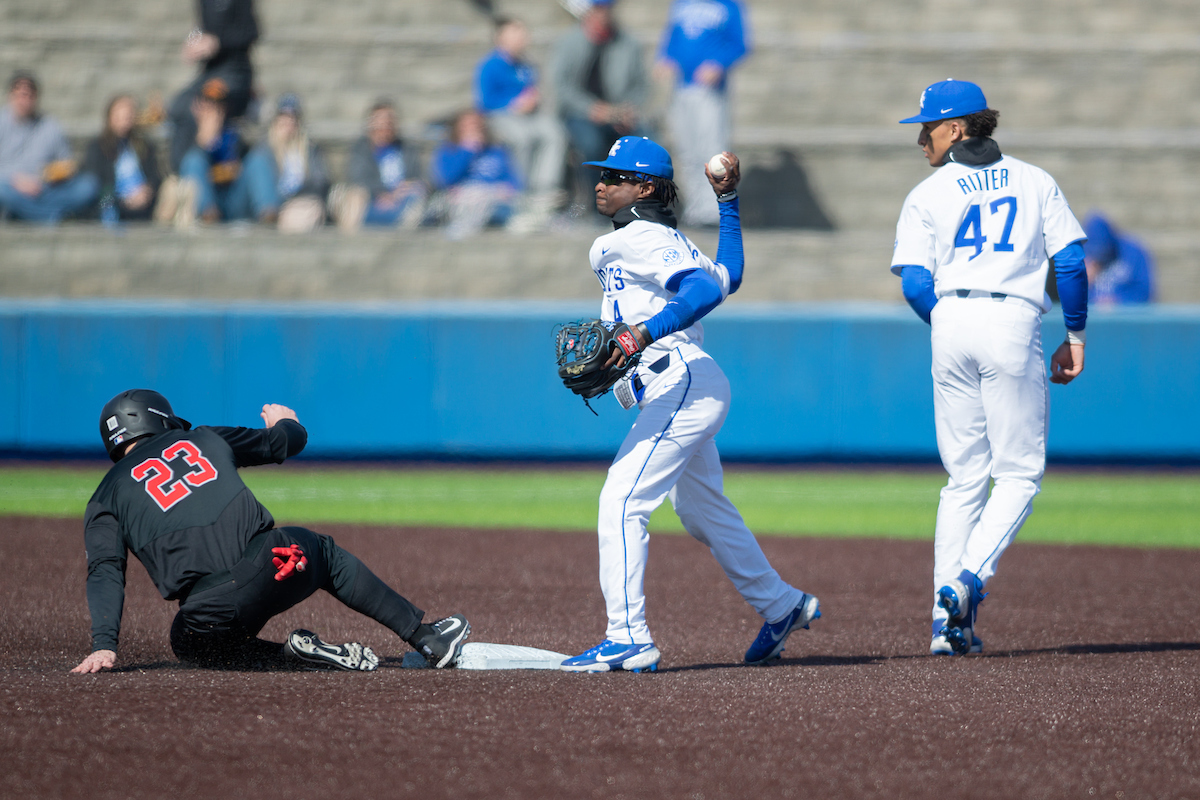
288 103
949 99
637 154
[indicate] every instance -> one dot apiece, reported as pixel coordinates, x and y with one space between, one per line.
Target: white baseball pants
991 409
670 452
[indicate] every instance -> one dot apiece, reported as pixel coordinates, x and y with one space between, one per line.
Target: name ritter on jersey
984 180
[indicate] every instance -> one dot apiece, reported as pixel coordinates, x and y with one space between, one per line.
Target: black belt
224 576
967 293
639 386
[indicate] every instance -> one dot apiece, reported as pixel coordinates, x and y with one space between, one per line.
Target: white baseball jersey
634 264
991 228
669 451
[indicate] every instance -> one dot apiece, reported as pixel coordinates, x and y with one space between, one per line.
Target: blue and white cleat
955 599
960 597
944 640
609 655
773 635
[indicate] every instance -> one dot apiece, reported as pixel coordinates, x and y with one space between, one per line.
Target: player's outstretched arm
1066 363
101 659
729 239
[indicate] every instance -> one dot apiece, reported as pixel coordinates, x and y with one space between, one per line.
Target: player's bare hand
28 185
200 46
709 73
273 412
1066 363
733 174
617 356
101 659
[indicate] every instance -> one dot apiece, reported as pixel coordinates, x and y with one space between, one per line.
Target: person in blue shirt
507 91
1120 269
476 176
702 41
125 163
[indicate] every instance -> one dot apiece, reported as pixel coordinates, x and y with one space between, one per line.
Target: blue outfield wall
477 380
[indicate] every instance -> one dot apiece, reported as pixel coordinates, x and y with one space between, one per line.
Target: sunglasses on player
610 177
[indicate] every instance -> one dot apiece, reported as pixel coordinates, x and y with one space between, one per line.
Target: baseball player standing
973 247
659 283
174 499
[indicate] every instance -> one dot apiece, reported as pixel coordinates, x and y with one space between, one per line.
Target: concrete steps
249 263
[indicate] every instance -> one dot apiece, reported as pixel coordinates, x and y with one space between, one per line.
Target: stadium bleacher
1100 93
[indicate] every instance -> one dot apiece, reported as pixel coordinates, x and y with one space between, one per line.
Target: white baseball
716 165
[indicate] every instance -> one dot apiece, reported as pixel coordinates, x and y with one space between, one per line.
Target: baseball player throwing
660 284
174 499
973 247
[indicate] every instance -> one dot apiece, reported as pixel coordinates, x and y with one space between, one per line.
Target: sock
420 633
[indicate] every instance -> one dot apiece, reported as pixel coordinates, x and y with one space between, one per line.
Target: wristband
725 198
1076 337
647 339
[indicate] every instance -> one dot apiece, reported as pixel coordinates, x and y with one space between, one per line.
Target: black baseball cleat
442 641
307 647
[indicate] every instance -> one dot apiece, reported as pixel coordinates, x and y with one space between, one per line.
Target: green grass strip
1123 508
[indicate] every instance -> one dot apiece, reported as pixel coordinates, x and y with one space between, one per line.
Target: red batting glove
295 561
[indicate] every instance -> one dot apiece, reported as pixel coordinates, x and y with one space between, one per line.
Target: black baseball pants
218 623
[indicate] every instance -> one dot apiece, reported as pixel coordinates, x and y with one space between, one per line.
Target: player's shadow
1100 649
152 666
803 661
860 660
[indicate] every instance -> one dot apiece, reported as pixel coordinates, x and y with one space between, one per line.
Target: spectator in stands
506 89
221 45
1120 269
600 83
37 173
475 175
703 39
299 179
125 164
226 184
384 186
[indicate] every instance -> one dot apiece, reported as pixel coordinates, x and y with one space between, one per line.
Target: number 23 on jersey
157 474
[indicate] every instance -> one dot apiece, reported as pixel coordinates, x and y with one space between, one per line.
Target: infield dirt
1089 686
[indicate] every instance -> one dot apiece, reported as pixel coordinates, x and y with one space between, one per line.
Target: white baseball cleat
307 647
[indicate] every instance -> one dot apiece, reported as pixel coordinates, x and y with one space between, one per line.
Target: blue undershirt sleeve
729 243
917 284
1071 275
696 294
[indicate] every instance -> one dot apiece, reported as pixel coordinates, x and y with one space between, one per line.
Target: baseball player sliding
657 286
174 499
973 247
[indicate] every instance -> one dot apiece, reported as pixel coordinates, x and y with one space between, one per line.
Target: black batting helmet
136 414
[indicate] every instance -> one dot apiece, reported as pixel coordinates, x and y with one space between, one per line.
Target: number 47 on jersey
970 232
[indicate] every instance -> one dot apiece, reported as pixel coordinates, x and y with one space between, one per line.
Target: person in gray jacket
600 82
383 184
38 181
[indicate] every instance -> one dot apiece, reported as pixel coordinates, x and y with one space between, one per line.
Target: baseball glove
583 348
